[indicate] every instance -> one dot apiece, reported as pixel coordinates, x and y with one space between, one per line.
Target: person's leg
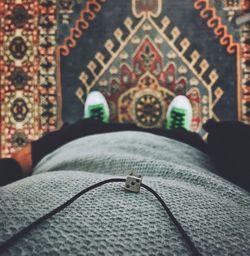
81 128
10 170
33 152
178 120
228 146
22 162
180 134
30 155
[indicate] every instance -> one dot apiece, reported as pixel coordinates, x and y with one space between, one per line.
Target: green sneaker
179 114
96 107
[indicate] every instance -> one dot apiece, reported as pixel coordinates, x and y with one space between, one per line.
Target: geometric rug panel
139 53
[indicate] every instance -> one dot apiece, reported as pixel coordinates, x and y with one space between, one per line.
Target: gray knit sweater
108 221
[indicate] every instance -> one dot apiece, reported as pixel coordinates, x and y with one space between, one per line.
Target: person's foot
179 114
96 107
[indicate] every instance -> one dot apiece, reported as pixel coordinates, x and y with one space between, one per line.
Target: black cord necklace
5 245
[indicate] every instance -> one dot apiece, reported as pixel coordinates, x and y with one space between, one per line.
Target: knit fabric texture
109 221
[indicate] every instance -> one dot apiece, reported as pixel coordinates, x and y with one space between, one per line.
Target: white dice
133 183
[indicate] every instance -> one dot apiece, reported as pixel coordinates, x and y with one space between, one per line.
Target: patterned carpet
29 92
138 53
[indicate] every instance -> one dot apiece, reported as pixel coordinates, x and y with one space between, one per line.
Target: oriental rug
139 53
